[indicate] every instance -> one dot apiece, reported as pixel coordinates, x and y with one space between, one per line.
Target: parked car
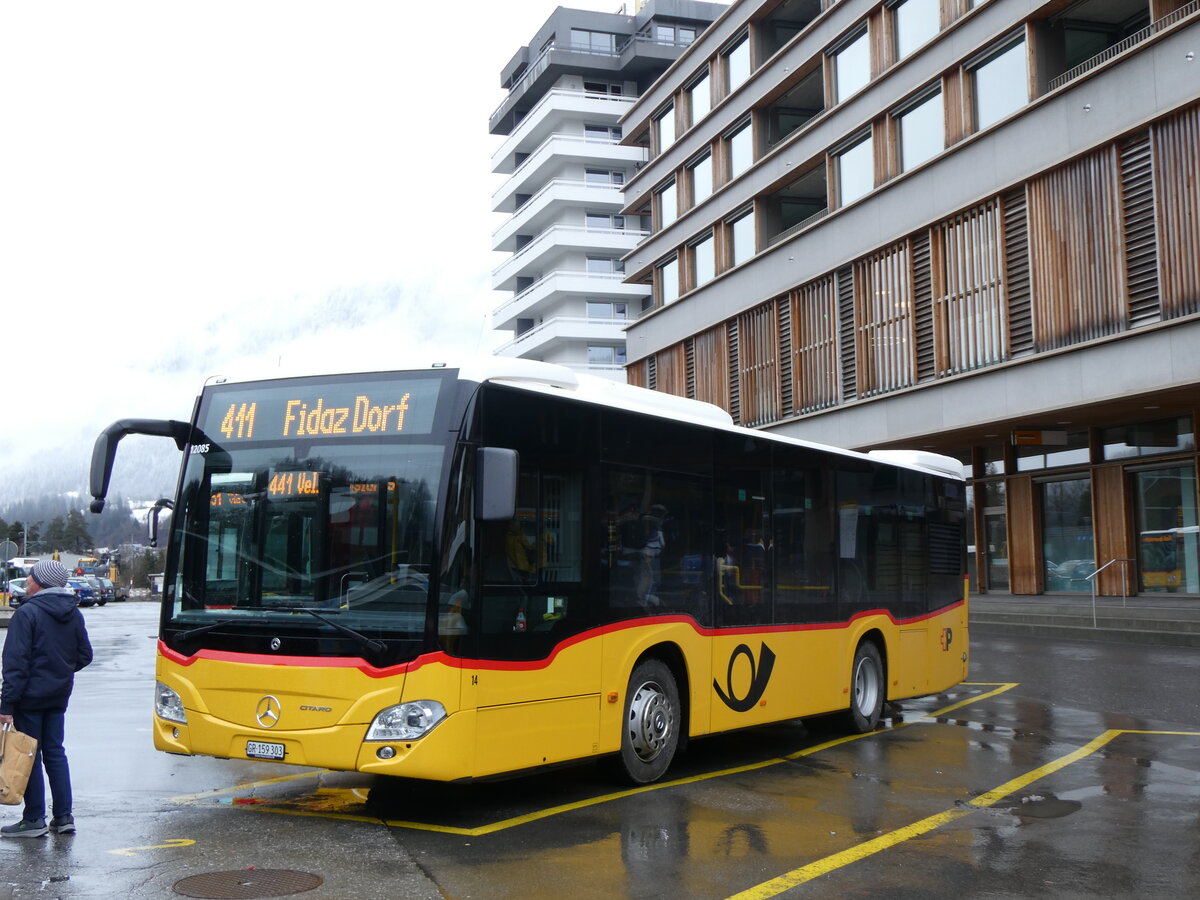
85 594
102 596
16 592
1071 575
108 590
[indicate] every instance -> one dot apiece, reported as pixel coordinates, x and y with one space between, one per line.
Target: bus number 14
239 421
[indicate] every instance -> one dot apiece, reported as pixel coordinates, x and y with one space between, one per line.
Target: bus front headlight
168 704
406 721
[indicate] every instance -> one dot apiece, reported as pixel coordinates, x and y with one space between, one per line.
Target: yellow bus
458 573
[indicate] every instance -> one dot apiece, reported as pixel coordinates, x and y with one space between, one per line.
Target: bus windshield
335 524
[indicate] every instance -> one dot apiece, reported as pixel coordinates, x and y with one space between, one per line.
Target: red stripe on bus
522 665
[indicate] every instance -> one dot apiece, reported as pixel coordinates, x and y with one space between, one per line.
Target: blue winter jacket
47 643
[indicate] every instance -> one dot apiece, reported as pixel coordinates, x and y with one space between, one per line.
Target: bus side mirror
496 484
152 519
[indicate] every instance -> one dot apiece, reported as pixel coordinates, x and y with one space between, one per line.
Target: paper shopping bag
16 762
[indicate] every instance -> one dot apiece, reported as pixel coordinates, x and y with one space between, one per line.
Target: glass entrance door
1068 541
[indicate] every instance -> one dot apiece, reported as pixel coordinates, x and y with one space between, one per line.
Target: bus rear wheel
866 689
650 730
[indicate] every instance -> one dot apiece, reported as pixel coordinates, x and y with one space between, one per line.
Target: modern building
967 226
566 165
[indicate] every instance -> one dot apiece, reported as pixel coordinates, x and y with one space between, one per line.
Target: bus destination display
346 409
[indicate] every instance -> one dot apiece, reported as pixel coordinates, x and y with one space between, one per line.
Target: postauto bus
457 573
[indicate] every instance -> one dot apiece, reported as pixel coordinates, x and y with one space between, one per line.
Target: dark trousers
47 726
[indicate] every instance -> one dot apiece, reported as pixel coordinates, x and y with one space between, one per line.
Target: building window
604 88
604 265
601 221
603 177
701 173
922 132
916 22
741 238
664 128
856 171
851 67
739 150
668 204
605 355
1071 451
700 99
668 281
681 35
1149 439
608 134
704 260
737 65
606 311
1001 85
593 41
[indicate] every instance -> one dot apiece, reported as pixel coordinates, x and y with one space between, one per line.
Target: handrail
1124 584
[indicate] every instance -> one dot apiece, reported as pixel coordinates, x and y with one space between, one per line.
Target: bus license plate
263 750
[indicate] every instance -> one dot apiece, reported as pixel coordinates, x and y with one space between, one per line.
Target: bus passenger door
536 692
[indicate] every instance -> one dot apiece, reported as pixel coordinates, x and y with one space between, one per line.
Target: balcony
554 241
544 295
1093 23
552 155
558 106
563 329
632 58
541 210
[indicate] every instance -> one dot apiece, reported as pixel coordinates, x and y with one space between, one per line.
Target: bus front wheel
650 730
866 689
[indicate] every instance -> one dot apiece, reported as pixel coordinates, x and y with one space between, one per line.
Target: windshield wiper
373 646
204 629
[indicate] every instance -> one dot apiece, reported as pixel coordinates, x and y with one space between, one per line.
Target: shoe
24 829
63 824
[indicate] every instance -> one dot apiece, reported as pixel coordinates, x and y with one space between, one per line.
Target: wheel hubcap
866 687
649 721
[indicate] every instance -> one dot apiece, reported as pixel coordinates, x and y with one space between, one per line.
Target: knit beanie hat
49 573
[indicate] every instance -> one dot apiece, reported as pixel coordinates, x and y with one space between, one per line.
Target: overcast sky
191 188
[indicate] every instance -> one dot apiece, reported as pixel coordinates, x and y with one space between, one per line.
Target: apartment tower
568 301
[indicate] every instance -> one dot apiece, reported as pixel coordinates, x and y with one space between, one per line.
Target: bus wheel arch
654 721
868 684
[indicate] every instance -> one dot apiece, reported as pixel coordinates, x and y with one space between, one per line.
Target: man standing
47 644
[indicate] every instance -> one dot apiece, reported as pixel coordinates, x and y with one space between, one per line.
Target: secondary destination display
305 409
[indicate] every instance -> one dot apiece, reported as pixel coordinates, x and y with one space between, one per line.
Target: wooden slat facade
883 315
758 369
1077 260
1177 195
970 326
814 319
1110 500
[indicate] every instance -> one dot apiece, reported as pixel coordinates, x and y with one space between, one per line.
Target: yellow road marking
170 844
549 812
799 876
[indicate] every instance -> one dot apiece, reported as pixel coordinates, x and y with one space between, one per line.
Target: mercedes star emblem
268 712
